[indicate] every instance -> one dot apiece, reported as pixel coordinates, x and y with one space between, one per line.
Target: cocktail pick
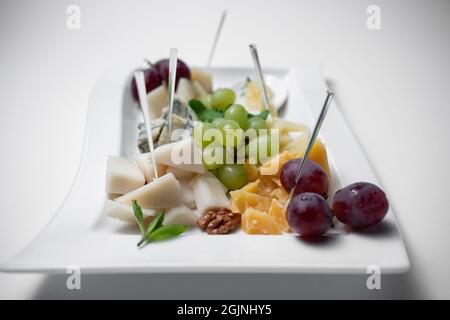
316 130
142 94
261 81
171 85
216 37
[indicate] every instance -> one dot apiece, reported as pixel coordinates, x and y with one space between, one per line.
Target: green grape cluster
221 138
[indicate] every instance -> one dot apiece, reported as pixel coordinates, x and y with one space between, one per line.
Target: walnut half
219 221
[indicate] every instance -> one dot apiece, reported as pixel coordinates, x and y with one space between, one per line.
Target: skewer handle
142 94
316 130
216 38
261 81
171 85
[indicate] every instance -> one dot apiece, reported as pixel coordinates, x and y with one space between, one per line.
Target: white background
391 84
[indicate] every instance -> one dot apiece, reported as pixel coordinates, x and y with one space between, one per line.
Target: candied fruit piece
277 211
254 221
241 200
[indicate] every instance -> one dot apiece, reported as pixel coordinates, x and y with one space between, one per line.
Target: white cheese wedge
185 91
187 194
145 164
164 192
203 77
180 215
122 176
183 154
123 212
157 100
180 174
209 193
198 89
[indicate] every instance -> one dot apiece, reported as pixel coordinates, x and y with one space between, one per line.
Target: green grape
259 149
223 98
214 156
237 113
207 100
257 124
199 134
232 134
218 122
233 176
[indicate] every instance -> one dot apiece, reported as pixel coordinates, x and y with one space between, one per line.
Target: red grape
152 81
309 215
360 205
182 70
312 179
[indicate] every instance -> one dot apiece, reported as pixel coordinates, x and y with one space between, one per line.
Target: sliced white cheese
180 215
123 212
145 164
183 154
157 100
209 193
185 91
203 77
164 192
187 194
180 174
198 89
122 176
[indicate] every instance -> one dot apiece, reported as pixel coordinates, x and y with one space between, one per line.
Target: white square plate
80 235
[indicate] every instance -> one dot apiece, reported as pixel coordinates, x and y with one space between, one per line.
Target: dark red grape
309 215
312 179
360 205
182 70
152 81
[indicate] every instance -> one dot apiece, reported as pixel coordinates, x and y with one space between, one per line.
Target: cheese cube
164 192
122 176
123 212
183 154
209 193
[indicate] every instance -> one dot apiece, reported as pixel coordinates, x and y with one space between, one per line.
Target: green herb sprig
155 230
203 113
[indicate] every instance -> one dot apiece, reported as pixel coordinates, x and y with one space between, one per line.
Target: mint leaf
203 113
139 216
166 232
263 114
156 222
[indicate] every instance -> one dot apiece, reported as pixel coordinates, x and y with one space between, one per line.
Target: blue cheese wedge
122 176
164 192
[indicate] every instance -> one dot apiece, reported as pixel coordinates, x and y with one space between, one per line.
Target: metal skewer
316 130
216 37
261 81
142 93
171 85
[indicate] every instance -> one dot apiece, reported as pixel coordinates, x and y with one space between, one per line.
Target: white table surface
391 84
